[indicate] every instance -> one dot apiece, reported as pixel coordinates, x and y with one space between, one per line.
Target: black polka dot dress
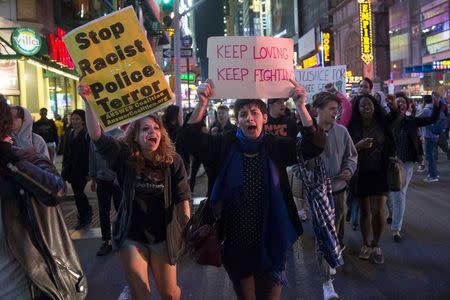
244 216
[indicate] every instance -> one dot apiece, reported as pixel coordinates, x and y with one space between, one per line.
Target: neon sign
365 26
326 47
57 49
312 61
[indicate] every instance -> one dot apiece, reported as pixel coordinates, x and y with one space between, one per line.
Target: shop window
60 93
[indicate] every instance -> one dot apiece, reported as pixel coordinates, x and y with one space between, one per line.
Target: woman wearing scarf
250 193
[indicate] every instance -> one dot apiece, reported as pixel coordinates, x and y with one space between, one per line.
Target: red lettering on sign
232 74
230 51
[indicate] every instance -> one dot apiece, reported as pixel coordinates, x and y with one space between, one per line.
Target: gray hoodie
25 138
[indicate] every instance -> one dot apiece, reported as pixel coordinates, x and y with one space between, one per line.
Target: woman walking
369 128
250 192
406 136
75 166
155 202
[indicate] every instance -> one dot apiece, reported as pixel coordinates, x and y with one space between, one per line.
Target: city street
417 268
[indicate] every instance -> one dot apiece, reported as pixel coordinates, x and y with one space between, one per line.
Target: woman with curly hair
155 202
369 129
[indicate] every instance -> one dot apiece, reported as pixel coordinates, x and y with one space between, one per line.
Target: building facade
420 46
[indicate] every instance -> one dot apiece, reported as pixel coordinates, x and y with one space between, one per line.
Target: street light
177 44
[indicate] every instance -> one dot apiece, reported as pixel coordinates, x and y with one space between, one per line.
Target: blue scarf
278 232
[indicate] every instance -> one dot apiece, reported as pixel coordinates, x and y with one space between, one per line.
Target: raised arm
299 95
92 125
204 91
428 120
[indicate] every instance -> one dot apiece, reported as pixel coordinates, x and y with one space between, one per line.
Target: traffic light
167 12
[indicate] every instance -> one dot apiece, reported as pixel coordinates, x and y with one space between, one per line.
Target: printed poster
114 57
243 67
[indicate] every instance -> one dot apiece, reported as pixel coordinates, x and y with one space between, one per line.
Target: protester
172 119
75 166
251 191
22 131
104 183
155 202
339 155
278 123
431 138
37 256
345 106
46 128
365 87
406 137
222 123
369 129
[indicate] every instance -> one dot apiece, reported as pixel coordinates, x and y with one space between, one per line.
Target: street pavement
417 268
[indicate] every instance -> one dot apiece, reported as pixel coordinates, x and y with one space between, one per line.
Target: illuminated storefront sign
312 61
365 26
26 41
57 49
441 65
326 48
353 79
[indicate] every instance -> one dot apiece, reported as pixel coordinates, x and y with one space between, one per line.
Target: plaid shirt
318 190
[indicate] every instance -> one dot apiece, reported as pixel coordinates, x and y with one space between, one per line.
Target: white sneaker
328 291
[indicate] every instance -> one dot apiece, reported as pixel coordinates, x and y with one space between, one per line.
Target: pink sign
250 67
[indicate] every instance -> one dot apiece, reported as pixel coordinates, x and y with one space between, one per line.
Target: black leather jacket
35 231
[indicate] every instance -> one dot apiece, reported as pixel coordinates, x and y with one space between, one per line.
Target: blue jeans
397 200
430 145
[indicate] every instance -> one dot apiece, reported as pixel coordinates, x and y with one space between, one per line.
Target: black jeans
84 209
105 191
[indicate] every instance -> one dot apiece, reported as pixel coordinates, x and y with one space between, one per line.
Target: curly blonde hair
162 156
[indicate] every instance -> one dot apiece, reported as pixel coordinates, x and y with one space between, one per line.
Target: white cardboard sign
242 67
315 79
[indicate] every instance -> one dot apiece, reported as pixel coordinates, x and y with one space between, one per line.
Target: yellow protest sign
117 62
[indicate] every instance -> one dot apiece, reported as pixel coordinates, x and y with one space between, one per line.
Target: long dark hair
355 126
6 119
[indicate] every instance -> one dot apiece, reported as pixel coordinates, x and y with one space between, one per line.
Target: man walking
47 129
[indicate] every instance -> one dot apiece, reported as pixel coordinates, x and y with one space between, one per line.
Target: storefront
35 71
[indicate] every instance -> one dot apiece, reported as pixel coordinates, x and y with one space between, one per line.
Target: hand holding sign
204 92
84 91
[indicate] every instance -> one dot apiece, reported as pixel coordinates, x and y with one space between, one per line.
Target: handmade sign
250 66
114 58
315 79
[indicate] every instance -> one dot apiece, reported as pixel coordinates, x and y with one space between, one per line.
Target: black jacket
213 150
411 125
117 154
76 156
35 231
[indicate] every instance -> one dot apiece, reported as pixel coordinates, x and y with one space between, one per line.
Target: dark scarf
278 232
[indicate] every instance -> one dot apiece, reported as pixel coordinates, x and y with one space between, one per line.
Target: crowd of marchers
269 168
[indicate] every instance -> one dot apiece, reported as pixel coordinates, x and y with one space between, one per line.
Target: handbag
201 237
396 179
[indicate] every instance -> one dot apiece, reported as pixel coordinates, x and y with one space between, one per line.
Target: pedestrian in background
22 131
75 166
155 202
222 123
431 139
172 119
251 196
104 183
369 129
46 128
